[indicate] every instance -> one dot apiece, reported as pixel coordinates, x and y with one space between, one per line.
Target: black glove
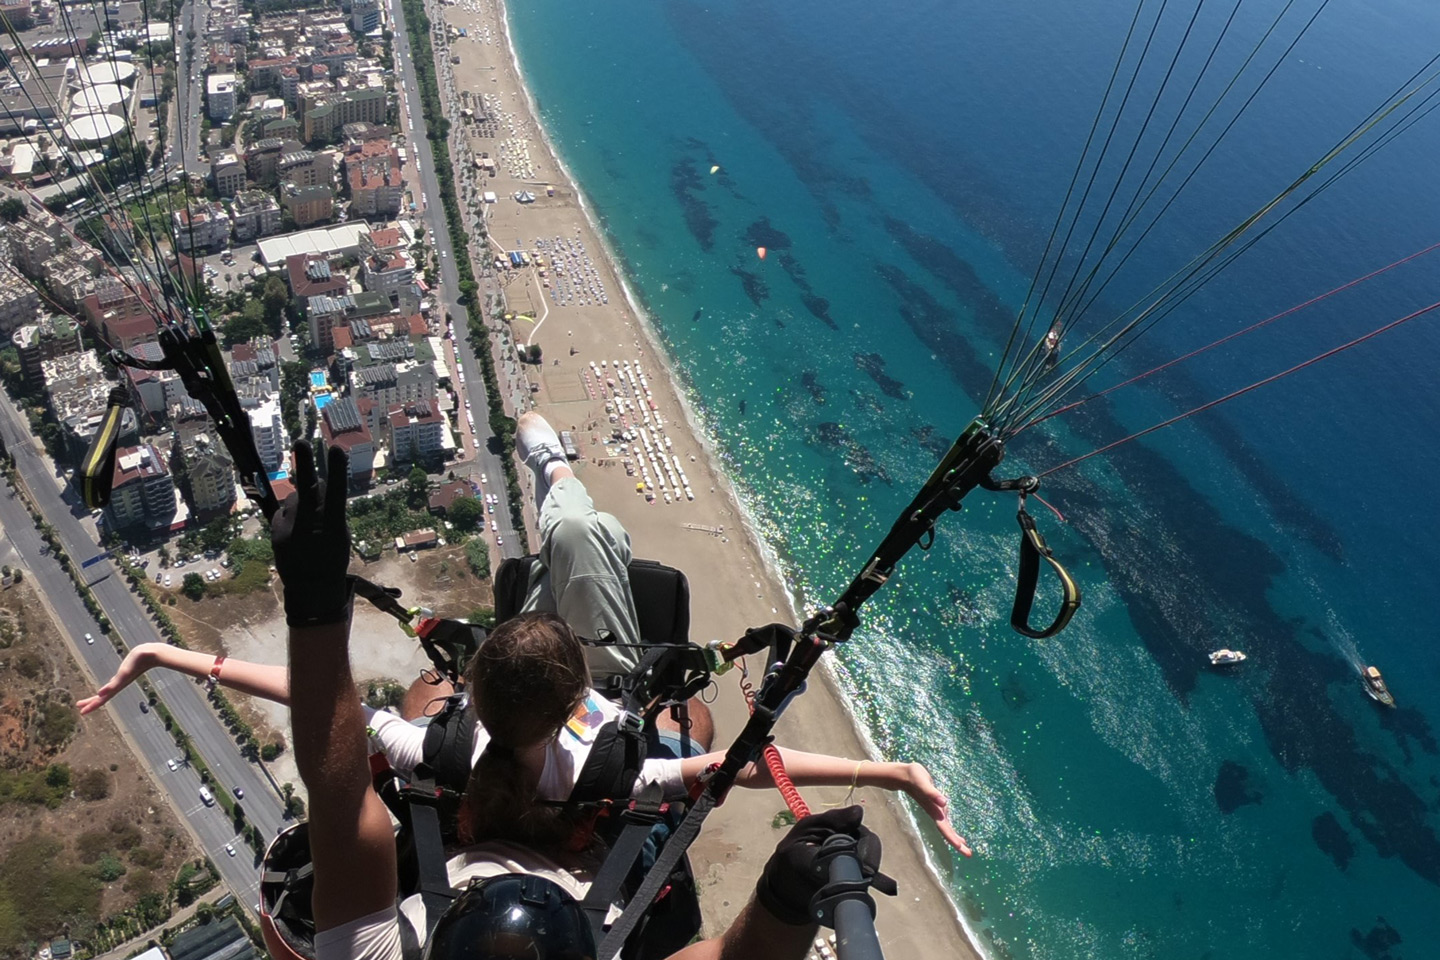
793 876
312 542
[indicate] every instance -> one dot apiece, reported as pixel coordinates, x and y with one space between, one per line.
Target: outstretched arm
819 770
351 841
257 679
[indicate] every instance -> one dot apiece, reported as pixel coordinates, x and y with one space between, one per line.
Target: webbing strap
658 876
643 814
1033 549
435 890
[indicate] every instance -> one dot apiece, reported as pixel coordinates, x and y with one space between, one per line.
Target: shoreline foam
830 697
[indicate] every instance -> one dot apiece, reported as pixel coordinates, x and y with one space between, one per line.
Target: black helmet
517 915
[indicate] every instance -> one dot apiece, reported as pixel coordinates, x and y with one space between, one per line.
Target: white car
494 527
89 639
484 479
467 403
172 764
230 849
167 579
499 540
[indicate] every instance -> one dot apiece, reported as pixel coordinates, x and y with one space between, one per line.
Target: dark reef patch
1330 836
874 366
931 441
1231 792
762 233
820 307
755 287
686 184
1013 692
1380 942
865 403
811 382
835 437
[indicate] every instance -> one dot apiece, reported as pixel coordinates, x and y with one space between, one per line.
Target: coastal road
487 461
189 98
186 700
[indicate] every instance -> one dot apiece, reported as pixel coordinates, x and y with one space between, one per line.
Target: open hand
136 662
312 542
922 789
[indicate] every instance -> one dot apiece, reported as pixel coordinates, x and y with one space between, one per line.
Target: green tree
465 511
417 488
12 209
534 353
109 869
205 913
274 297
194 586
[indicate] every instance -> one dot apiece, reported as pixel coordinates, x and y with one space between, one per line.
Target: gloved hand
312 542
793 876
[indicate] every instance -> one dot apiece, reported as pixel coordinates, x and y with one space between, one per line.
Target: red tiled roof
418 326
340 337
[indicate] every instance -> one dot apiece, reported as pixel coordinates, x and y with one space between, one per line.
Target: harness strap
639 817
1033 549
435 890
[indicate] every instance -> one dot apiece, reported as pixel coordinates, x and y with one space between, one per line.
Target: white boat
1224 657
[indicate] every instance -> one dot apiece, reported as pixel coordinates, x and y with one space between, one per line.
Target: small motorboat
1224 657
1375 686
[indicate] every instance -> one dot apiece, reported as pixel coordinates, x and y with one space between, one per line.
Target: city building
306 168
385 385
341 425
229 174
415 430
375 179
50 336
311 275
153 391
254 214
142 491
308 206
262 158
202 226
364 15
268 430
118 315
220 95
324 113
19 303
325 311
212 475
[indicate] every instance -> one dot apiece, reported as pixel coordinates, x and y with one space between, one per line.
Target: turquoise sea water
903 163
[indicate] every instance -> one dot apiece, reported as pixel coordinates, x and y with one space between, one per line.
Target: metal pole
855 937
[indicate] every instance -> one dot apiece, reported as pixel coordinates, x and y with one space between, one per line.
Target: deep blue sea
903 163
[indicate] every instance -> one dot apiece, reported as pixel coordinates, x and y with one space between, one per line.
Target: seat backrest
662 596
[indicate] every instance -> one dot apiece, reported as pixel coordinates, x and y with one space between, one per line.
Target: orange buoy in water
760 252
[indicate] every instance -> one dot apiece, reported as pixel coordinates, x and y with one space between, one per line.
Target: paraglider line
1244 390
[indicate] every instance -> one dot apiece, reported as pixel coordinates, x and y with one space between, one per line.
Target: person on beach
513 902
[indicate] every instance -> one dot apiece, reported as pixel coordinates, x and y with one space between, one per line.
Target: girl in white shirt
538 718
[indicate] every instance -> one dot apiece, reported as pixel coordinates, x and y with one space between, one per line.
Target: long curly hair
526 680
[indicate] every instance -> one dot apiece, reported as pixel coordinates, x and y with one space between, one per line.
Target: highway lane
433 216
185 699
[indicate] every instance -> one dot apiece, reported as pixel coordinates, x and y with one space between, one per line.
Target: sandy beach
582 317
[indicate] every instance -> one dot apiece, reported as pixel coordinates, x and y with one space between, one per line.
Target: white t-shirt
403 744
377 936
